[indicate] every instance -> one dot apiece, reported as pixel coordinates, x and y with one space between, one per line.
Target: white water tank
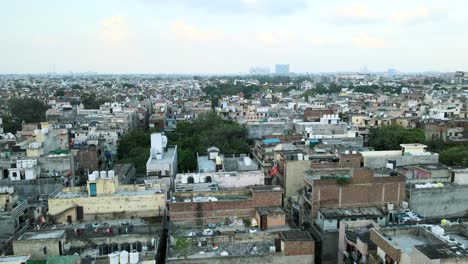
124 257
390 206
134 257
404 205
103 174
183 178
196 178
114 258
300 156
111 174
91 177
437 230
247 161
96 174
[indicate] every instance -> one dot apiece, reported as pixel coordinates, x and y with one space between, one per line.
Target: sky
230 36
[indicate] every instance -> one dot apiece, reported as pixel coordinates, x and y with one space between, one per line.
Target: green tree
134 148
455 156
182 247
91 101
27 109
390 137
207 130
60 93
76 87
10 124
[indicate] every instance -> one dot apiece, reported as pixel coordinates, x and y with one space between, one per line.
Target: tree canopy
455 156
91 101
190 137
207 130
23 109
390 137
134 148
231 89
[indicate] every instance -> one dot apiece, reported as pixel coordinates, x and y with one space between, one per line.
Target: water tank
134 257
196 179
91 177
247 161
437 230
111 174
124 257
96 174
183 178
300 156
404 205
390 206
103 174
114 258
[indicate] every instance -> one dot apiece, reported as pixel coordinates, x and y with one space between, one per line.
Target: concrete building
40 245
346 188
217 180
282 69
215 206
410 154
163 159
104 197
354 242
416 245
14 216
438 200
329 219
291 246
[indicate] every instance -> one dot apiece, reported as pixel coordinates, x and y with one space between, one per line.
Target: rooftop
295 235
344 213
442 251
55 234
206 165
167 157
270 210
14 259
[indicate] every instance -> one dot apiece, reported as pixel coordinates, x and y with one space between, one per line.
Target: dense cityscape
233 131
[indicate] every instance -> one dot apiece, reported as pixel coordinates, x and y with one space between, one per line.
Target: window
15 174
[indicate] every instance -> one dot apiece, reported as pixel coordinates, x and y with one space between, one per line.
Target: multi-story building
163 159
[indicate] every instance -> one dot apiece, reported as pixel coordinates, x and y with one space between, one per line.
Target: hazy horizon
229 37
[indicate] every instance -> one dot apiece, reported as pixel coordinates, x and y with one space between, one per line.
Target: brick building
210 207
347 188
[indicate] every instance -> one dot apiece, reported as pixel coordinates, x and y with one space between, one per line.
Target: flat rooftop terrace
55 234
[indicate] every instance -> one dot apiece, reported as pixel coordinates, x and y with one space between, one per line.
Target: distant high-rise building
259 71
282 69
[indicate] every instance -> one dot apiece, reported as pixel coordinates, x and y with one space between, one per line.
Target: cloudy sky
230 36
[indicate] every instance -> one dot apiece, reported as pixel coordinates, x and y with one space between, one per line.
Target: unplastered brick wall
295 248
363 189
183 210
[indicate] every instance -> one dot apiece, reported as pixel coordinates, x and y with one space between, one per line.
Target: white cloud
363 40
318 40
114 29
257 7
355 14
182 31
275 37
421 14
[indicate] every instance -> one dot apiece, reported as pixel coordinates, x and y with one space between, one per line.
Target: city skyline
222 37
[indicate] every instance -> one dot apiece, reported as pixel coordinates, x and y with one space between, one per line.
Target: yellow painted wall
102 207
104 187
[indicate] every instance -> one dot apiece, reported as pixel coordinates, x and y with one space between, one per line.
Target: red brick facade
183 211
296 248
362 190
